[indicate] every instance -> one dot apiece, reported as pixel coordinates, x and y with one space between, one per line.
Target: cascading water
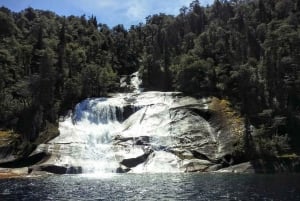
136 132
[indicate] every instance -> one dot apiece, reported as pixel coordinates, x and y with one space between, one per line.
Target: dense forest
246 51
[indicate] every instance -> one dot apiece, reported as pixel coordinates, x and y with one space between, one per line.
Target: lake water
153 187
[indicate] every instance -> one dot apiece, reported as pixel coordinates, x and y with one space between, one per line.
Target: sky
110 12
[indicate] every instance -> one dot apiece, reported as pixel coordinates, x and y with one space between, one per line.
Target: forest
244 51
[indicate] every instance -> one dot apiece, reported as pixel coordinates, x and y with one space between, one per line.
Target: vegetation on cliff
245 51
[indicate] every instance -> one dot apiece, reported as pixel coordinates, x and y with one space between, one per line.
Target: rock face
180 127
143 132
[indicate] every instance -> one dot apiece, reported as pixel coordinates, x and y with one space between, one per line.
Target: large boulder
190 129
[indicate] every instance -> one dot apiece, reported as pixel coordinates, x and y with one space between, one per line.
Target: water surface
153 187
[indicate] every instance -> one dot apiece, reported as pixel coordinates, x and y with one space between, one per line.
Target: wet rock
214 168
6 153
56 169
7 175
132 162
195 165
141 140
20 171
27 161
13 171
246 167
182 154
184 126
199 155
122 169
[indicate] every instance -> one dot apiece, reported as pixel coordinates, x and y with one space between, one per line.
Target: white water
136 82
87 141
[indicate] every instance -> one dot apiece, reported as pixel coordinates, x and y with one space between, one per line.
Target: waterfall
136 131
86 137
136 82
131 82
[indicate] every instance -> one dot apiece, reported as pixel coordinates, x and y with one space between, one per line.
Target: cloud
129 10
136 9
126 12
111 12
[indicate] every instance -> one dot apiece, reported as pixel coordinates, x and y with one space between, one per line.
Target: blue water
153 187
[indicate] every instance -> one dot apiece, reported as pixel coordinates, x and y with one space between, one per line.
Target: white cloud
129 12
136 9
111 12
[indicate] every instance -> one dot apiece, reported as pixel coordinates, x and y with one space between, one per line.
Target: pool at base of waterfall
177 186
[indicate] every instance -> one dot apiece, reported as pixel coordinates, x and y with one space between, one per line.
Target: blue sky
111 12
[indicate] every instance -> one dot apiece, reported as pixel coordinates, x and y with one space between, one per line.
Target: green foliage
97 81
275 145
192 75
7 26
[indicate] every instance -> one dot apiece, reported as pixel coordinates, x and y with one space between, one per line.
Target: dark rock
128 110
74 170
122 170
6 154
132 162
227 160
27 161
56 169
141 140
199 155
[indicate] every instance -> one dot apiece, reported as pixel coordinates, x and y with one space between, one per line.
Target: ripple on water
152 187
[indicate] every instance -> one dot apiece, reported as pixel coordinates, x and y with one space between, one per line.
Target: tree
61 62
7 25
37 53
